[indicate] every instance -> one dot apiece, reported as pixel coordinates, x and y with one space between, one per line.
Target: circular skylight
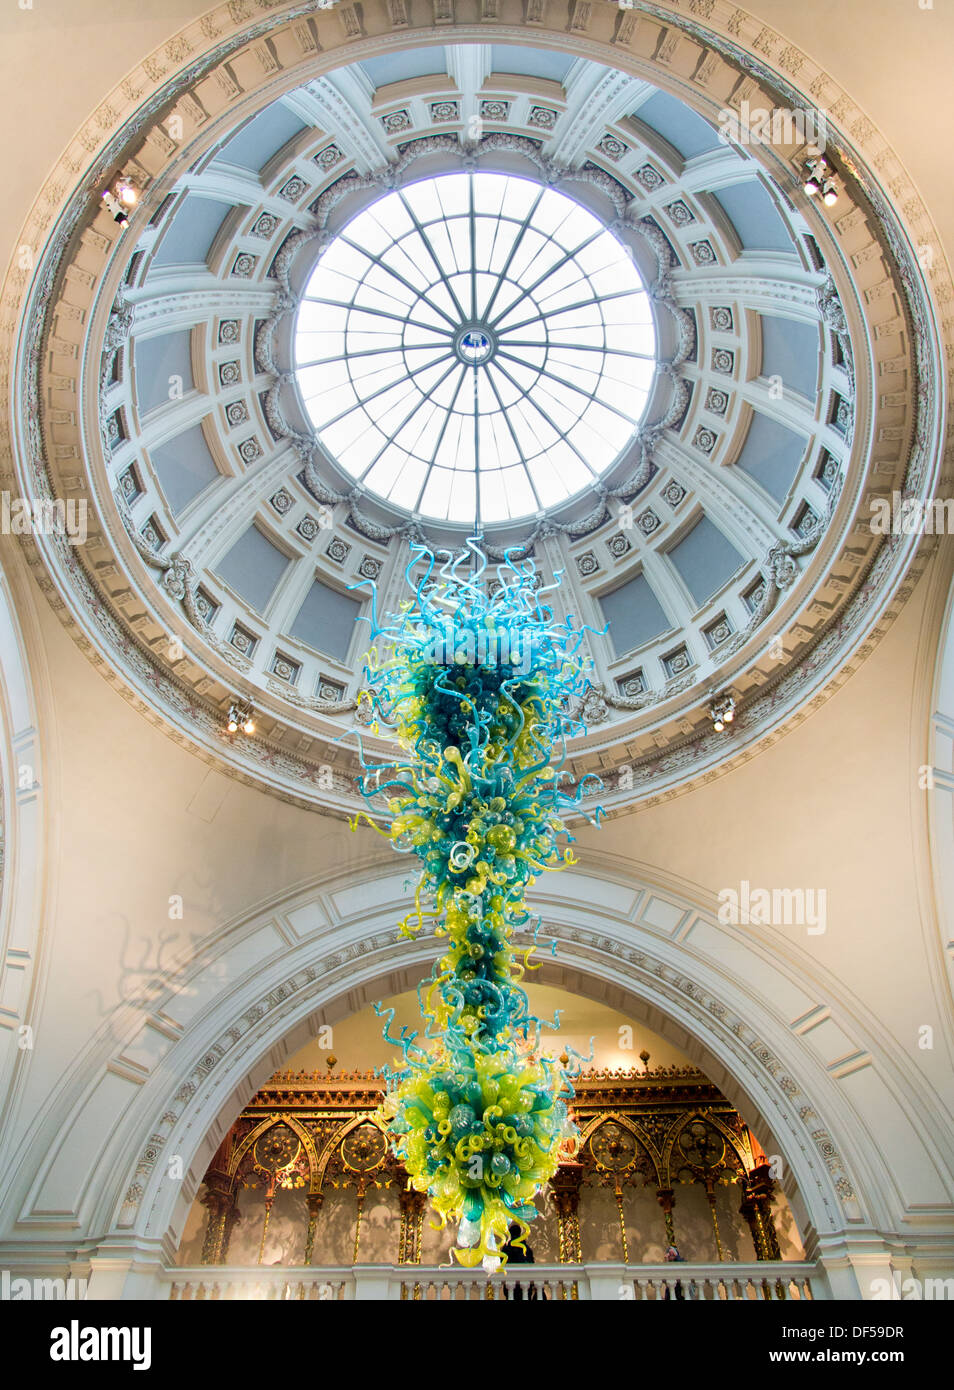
475 347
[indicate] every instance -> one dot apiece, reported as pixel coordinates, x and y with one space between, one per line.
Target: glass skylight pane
314 380
548 257
331 403
461 288
347 259
620 395
578 225
437 493
414 249
549 485
396 477
494 504
453 321
391 214
559 410
504 239
448 447
391 285
463 497
357 343
407 486
533 432
551 211
519 493
319 347
508 393
459 230
490 192
336 288
422 198
580 369
622 309
432 373
454 194
347 435
484 288
320 318
419 435
563 286
530 243
445 394
524 377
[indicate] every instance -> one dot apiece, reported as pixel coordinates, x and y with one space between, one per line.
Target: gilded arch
643 1140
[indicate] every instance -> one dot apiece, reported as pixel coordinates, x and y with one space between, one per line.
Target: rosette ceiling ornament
372 275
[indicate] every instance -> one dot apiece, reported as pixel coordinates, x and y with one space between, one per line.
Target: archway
327 949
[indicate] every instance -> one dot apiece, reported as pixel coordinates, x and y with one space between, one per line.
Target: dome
485 287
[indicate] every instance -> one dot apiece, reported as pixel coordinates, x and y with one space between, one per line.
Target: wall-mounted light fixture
120 198
240 719
818 178
721 711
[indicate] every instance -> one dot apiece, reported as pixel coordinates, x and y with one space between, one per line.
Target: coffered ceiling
720 537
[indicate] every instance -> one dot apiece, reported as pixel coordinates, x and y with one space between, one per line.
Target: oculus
475 346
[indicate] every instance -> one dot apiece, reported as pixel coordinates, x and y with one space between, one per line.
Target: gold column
402 1233
220 1202
667 1200
565 1188
215 1204
314 1200
756 1207
269 1201
412 1222
622 1223
710 1197
357 1224
232 1218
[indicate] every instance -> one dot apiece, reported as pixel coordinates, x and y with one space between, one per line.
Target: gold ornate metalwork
616 1150
660 1128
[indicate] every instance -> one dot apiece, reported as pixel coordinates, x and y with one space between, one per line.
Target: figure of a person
518 1255
673 1257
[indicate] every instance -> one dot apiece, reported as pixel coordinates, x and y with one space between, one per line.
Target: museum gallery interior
476 654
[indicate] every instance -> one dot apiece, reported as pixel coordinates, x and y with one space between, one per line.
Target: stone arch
27 771
641 944
938 794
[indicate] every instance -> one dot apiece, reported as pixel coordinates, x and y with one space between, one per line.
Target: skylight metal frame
436 310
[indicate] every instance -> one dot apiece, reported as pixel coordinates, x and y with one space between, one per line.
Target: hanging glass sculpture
476 680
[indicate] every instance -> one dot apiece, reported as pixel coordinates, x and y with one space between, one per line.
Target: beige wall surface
835 804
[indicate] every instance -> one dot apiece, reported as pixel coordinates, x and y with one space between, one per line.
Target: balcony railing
645 1283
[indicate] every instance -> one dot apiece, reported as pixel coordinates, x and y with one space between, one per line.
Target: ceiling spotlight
115 207
815 171
240 717
721 711
830 194
121 195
